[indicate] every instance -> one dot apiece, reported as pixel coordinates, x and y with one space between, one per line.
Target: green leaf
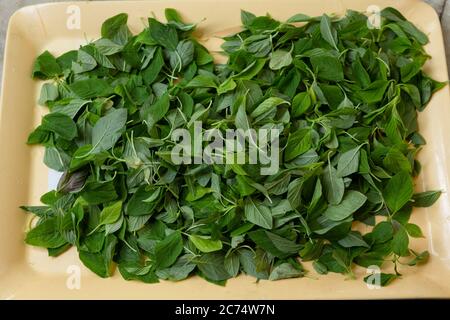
212 266
327 67
267 105
70 108
168 250
107 47
204 244
353 239
49 92
111 213
241 120
261 24
139 205
46 66
298 143
108 130
425 199
164 35
382 232
246 17
226 86
400 242
60 124
178 271
374 92
395 161
85 62
301 104
352 201
232 263
249 263
333 185
359 72
150 74
273 243
398 191
56 159
251 70
115 29
420 258
97 193
183 55
348 162
280 59
285 271
414 230
100 263
294 194
157 111
299 17
327 31
203 80
90 88
320 267
258 214
45 235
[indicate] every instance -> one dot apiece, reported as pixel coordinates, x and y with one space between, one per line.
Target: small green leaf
168 250
163 34
108 130
267 105
273 243
426 199
348 162
333 185
298 143
111 213
60 124
45 235
301 104
400 242
258 214
157 111
353 239
327 67
280 59
204 244
352 201
398 191
327 31
285 271
414 230
46 66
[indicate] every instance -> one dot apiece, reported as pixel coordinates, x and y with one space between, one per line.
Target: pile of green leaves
345 97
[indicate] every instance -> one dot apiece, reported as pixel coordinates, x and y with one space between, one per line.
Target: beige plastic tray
28 273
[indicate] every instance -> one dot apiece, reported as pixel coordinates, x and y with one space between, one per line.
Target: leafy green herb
344 97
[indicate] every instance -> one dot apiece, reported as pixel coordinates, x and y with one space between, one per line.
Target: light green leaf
258 214
352 201
280 59
205 244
